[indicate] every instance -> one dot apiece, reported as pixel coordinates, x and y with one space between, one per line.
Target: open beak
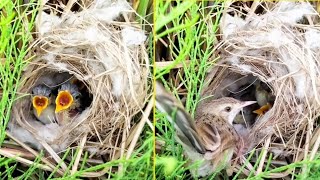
63 101
263 109
40 103
247 103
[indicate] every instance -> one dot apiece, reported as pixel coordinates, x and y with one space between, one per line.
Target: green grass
15 31
139 166
16 24
145 11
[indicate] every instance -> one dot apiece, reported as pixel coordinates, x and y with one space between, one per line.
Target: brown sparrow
211 138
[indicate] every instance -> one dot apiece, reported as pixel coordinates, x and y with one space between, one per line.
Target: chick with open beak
41 102
67 102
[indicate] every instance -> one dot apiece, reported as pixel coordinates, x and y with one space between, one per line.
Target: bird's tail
182 121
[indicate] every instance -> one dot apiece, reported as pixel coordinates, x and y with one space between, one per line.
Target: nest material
280 48
108 56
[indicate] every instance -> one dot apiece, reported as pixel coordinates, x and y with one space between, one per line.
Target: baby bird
264 98
263 94
41 102
67 102
211 137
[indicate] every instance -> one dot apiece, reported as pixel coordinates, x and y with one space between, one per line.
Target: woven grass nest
279 47
104 53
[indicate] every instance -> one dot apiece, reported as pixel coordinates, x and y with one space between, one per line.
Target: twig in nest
140 126
264 154
69 6
76 162
24 161
19 153
35 153
169 63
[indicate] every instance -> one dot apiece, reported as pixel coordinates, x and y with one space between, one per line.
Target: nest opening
245 87
57 79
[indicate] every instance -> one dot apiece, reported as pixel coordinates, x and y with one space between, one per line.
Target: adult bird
67 102
43 108
211 136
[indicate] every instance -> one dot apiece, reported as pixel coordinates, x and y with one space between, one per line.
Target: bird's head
40 99
66 97
78 83
226 107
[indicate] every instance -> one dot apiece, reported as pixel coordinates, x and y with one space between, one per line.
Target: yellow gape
63 101
40 103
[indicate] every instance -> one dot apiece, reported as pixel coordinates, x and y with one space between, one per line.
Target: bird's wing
217 135
177 116
210 135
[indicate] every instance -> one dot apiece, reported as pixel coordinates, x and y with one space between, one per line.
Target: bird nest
100 48
279 47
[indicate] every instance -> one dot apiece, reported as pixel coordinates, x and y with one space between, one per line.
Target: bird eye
228 109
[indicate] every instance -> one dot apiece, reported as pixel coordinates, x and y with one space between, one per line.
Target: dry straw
279 46
104 52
